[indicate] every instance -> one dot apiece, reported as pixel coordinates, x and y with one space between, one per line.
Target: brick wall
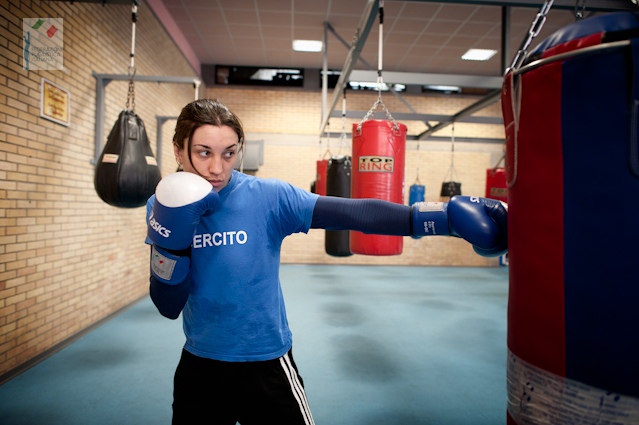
68 260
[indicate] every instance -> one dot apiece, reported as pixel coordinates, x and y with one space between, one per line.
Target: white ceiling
418 36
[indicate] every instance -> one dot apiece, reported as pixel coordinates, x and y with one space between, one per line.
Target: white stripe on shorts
297 389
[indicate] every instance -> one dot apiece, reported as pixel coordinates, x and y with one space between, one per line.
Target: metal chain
130 99
451 170
533 32
579 9
380 80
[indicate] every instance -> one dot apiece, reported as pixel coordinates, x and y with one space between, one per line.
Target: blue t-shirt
235 310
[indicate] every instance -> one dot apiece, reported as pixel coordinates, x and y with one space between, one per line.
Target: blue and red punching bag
379 148
572 164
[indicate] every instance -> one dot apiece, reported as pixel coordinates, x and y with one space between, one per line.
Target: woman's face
213 154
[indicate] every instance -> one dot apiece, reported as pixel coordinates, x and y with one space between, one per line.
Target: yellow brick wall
67 259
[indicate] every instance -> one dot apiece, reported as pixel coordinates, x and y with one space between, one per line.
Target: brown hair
201 112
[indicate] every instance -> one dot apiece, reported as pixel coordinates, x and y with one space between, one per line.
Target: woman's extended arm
372 216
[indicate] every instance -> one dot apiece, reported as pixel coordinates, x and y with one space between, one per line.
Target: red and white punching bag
572 162
379 150
496 187
320 178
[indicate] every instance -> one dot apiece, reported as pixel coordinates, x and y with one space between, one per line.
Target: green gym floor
375 345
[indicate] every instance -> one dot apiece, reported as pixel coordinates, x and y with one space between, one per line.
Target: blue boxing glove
481 222
181 199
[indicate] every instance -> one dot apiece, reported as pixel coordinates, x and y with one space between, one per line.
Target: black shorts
252 393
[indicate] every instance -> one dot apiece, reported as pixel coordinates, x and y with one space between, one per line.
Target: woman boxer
215 237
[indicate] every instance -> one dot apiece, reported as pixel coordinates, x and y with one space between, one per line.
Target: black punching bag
338 183
126 173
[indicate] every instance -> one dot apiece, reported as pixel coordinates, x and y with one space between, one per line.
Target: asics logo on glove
161 230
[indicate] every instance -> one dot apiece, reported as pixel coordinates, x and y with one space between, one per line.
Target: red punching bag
320 179
379 149
496 187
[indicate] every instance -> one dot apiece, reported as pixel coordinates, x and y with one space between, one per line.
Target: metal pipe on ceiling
361 34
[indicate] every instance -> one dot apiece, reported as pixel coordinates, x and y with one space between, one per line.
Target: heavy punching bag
126 173
416 192
496 187
338 183
379 148
571 118
320 177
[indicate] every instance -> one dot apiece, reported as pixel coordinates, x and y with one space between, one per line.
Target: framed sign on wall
55 103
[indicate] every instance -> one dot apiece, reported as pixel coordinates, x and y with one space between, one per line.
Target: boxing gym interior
386 330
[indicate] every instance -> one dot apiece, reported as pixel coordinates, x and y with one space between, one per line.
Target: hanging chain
343 136
534 30
452 146
130 98
451 170
380 79
580 7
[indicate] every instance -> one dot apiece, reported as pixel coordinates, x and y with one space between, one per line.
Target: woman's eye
203 153
229 154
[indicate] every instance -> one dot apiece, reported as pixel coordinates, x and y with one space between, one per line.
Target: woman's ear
178 155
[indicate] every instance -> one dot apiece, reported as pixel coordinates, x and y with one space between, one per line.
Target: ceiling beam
361 34
591 5
404 116
423 79
488 100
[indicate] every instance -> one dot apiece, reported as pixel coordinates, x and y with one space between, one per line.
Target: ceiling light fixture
443 88
307 45
478 54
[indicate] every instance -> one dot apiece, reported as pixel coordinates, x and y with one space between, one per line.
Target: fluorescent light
442 88
478 54
307 45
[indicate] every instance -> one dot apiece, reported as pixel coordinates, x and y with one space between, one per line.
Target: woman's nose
215 165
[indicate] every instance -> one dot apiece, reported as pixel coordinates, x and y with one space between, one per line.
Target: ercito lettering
155 225
220 239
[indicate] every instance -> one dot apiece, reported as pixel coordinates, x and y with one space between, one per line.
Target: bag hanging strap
130 99
417 182
380 79
502 159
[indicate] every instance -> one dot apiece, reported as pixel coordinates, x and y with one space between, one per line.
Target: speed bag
496 187
338 183
126 173
573 293
416 193
450 189
379 150
320 177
